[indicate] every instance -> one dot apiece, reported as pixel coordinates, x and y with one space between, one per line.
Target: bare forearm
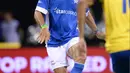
82 5
90 22
39 18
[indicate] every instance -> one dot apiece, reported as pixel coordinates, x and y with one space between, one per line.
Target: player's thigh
121 62
58 58
73 51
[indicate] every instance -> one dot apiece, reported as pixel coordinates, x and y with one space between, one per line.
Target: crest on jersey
76 1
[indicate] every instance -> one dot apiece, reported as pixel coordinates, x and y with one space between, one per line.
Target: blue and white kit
61 15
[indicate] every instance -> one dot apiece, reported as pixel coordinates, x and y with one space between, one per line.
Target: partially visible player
117 17
62 34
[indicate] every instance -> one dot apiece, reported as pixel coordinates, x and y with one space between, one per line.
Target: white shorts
58 55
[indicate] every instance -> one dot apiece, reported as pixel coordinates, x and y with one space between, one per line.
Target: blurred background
21 24
17 39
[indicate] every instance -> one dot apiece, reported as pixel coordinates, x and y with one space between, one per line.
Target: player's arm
44 34
82 5
41 10
39 18
90 22
81 22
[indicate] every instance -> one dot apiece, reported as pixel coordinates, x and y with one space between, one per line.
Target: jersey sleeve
87 11
42 6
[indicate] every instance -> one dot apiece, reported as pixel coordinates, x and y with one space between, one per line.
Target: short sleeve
87 11
42 6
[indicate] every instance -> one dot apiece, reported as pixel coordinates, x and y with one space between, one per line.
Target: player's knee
81 58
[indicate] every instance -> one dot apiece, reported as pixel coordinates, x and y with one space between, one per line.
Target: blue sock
78 68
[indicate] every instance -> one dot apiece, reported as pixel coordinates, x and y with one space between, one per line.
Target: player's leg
58 59
121 62
78 54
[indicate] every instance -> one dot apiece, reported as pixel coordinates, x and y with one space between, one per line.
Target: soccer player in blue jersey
59 30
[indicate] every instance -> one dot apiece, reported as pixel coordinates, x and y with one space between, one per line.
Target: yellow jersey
117 18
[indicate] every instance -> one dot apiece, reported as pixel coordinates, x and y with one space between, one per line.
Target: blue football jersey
62 20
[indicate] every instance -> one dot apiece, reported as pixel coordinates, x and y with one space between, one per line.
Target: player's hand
44 35
100 35
82 43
